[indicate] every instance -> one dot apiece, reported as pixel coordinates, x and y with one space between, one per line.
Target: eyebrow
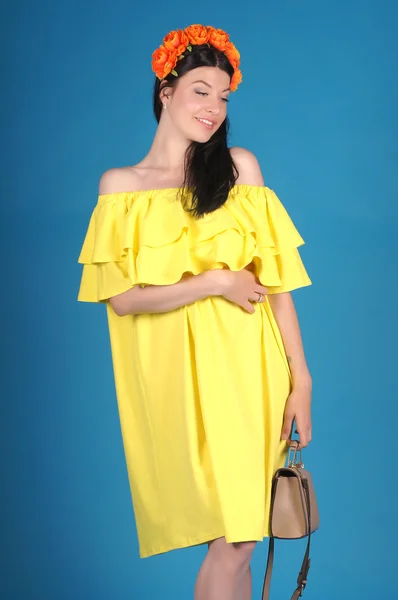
208 84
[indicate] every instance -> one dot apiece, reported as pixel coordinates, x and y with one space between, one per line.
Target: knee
243 552
234 557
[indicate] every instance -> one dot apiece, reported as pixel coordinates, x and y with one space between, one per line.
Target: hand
298 407
239 287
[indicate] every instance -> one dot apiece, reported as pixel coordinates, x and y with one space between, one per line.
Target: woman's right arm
163 298
239 287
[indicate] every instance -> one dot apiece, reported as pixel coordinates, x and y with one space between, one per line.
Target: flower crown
165 58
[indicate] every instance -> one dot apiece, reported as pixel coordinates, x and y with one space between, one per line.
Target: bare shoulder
248 166
118 179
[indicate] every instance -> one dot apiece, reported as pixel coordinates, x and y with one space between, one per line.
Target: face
199 94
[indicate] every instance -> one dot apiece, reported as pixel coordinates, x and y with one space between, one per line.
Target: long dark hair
209 171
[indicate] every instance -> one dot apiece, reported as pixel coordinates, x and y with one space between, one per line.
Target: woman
195 259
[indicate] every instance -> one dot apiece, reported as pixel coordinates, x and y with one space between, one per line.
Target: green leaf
181 56
189 48
174 72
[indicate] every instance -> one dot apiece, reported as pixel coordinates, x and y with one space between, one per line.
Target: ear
163 94
163 85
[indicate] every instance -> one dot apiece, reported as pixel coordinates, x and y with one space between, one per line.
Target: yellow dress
201 389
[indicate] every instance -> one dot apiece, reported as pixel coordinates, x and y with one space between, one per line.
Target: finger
249 308
287 427
260 290
304 441
254 297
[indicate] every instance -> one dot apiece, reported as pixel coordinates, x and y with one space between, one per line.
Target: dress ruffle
146 237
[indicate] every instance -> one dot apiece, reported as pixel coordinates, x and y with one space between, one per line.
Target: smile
206 123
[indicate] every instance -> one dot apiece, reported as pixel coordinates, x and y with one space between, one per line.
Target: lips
206 124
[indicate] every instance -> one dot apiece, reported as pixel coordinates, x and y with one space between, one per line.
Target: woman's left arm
298 405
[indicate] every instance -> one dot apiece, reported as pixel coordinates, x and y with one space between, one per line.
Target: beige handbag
293 515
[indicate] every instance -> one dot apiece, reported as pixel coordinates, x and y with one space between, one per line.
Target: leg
246 593
225 573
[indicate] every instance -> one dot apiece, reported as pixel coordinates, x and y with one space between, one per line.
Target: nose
215 107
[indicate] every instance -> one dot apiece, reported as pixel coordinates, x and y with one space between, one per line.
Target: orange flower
163 61
217 38
197 34
165 58
232 54
176 40
171 62
236 79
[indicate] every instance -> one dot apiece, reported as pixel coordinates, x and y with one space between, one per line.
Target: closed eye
206 94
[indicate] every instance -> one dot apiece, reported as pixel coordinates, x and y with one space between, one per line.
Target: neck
167 152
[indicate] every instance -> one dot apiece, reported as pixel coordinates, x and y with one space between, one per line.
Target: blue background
318 106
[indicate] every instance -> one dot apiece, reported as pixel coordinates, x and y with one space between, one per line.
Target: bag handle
302 576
